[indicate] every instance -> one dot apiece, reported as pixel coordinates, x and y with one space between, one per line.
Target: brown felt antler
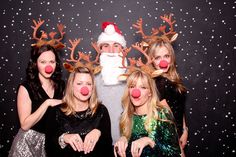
138 64
83 59
42 39
169 36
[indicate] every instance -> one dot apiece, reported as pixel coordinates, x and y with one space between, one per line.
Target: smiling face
162 58
140 94
46 64
82 87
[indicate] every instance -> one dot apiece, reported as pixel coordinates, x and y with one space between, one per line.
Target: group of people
98 115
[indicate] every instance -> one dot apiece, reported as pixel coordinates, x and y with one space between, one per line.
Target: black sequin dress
163 132
32 142
176 100
82 123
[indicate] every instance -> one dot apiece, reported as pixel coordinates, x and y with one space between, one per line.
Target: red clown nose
163 64
48 69
84 91
136 93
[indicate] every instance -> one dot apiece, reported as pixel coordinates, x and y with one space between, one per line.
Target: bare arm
24 106
184 137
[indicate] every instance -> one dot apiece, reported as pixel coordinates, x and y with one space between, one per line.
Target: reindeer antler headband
56 43
83 59
158 34
138 64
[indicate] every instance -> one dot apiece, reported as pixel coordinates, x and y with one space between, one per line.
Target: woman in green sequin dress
147 127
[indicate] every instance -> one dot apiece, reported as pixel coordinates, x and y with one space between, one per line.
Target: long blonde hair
128 108
172 73
69 100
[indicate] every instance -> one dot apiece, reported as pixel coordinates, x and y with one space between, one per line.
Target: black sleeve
105 127
160 84
52 146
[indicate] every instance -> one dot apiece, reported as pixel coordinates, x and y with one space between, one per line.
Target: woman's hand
120 147
90 140
138 145
75 141
53 102
183 139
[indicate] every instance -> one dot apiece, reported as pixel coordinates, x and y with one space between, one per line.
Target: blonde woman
147 128
170 86
84 123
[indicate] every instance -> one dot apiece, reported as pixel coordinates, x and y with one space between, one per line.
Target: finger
115 150
134 149
92 143
78 145
81 145
89 144
140 150
121 149
73 145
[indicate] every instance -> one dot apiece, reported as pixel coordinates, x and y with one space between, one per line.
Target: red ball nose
163 64
84 91
48 69
136 93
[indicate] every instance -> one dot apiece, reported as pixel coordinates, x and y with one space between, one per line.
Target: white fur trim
109 35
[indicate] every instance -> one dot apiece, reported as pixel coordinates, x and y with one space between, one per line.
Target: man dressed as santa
109 88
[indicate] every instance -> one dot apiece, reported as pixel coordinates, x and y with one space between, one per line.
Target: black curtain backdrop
205 52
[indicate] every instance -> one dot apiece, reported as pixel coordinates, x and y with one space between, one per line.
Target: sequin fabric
28 144
176 100
161 131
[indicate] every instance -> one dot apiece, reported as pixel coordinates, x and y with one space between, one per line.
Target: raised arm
24 107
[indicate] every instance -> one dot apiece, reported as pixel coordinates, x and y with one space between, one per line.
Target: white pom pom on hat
111 33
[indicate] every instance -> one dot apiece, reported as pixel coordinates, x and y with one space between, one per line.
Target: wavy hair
32 69
172 73
68 106
128 108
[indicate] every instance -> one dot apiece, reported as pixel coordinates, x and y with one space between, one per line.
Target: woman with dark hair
84 123
36 99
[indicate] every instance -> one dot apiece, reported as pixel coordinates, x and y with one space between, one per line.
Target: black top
46 121
46 124
82 123
176 100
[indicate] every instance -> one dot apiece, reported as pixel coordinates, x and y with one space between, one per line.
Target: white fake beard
111 63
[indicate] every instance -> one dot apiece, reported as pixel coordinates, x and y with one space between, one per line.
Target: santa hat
111 32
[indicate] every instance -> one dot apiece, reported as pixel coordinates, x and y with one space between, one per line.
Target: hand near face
138 145
90 140
120 147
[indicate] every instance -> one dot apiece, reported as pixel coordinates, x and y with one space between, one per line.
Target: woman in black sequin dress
170 87
84 128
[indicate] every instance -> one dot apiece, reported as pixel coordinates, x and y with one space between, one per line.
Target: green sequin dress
162 132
